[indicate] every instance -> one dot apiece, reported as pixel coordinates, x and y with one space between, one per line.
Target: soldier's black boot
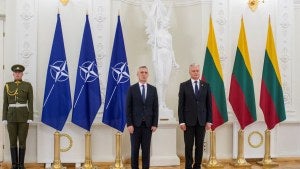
21 158
14 158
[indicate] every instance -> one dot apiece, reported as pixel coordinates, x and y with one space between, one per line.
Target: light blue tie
143 93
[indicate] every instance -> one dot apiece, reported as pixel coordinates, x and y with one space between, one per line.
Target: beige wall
189 28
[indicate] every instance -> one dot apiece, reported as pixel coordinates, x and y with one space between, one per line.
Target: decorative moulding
26 35
175 2
101 35
284 48
297 2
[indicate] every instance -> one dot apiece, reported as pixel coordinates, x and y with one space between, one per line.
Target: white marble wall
1 79
2 7
30 26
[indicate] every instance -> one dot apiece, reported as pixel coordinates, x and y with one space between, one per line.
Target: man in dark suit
194 113
142 117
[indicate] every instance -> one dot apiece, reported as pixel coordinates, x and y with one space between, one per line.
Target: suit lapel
138 90
191 88
201 86
148 91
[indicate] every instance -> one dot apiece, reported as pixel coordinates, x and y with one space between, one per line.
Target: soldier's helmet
17 68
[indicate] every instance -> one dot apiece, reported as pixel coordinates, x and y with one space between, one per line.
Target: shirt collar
140 84
193 81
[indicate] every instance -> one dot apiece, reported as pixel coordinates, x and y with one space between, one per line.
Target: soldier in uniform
17 114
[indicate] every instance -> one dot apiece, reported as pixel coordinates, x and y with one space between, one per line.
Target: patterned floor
283 164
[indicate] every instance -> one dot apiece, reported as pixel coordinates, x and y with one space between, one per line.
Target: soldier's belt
17 105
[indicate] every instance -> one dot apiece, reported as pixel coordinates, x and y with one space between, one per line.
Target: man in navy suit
142 117
195 116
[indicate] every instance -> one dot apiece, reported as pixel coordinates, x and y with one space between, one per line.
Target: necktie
143 93
196 88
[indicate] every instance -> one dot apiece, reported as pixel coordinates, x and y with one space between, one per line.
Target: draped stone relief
174 2
285 48
26 28
220 18
220 15
101 34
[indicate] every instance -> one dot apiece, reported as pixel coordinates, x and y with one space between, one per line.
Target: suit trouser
140 137
197 134
17 131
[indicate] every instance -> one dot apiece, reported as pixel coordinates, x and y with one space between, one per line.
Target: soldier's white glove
4 122
29 121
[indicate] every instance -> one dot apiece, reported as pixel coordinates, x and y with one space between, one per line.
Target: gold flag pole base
240 161
213 162
267 161
57 163
118 161
88 164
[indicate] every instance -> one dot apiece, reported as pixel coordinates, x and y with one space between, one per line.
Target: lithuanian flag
212 73
241 94
271 95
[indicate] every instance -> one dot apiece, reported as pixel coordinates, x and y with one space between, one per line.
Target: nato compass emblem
59 73
88 73
120 74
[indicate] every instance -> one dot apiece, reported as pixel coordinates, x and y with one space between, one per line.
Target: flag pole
213 162
267 161
241 161
57 163
88 161
118 160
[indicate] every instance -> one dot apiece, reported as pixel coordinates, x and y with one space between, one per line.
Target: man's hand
130 129
153 129
29 121
208 126
4 122
183 127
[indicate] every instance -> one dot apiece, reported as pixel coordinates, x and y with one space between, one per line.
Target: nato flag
118 84
57 97
87 97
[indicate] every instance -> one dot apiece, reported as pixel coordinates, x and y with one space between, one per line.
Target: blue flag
118 84
57 97
87 97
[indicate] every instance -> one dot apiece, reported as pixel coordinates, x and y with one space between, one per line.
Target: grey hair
143 67
194 65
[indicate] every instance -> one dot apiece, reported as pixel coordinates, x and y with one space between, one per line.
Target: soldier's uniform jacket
17 102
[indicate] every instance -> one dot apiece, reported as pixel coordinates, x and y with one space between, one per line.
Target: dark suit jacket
191 107
137 110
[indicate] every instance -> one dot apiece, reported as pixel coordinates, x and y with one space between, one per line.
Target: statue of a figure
160 40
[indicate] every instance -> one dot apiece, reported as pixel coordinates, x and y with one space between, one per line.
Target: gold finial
64 2
253 4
